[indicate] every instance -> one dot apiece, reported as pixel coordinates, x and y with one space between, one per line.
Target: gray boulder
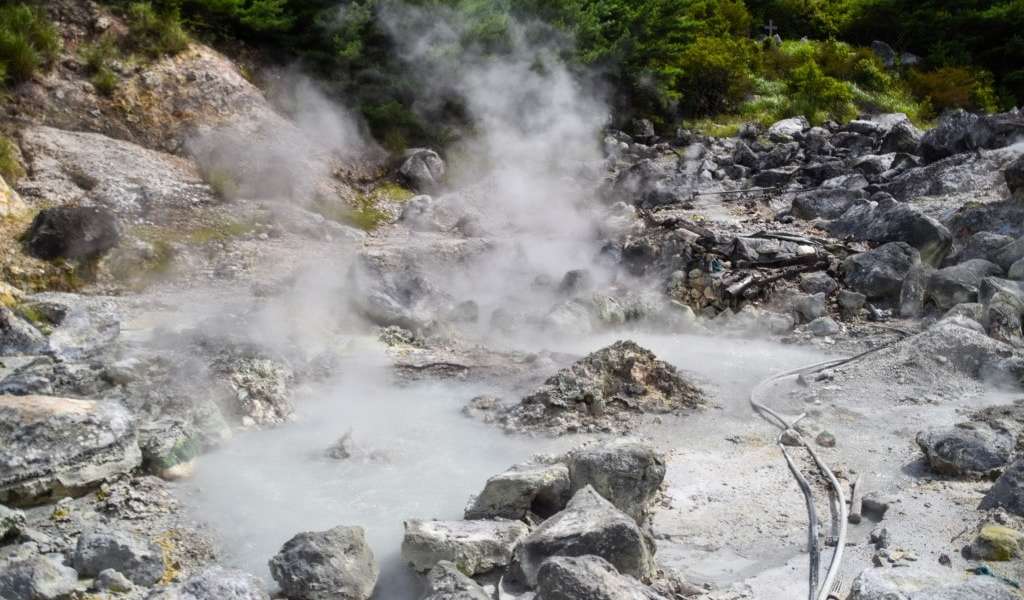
76 232
809 306
983 244
523 489
215 583
880 273
924 584
914 291
446 582
825 203
883 220
112 580
788 129
903 137
965 452
824 326
1008 491
956 132
589 525
18 336
25 574
626 472
54 447
1009 254
11 522
422 169
818 282
1014 175
477 546
326 565
1016 271
959 283
588 578
137 558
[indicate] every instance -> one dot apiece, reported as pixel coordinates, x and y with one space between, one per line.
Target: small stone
110 580
825 440
824 326
880 538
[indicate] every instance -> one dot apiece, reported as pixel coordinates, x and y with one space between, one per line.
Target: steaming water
266 486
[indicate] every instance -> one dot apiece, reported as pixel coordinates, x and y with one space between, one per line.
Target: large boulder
1014 175
215 583
883 220
422 169
18 336
959 284
960 131
539 489
25 574
336 564
880 273
788 129
902 137
137 558
1008 491
589 525
588 578
926 584
626 472
477 547
825 203
77 232
965 452
54 447
1009 254
446 582
983 244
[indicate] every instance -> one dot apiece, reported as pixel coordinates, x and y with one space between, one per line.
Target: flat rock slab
53 447
476 547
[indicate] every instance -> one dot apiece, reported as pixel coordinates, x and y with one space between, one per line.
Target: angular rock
1008 491
880 273
111 580
956 132
995 542
914 291
589 525
1014 175
824 326
965 452
787 129
884 220
18 336
825 203
625 472
76 232
903 137
818 282
326 565
1009 254
476 546
922 584
446 582
809 306
422 169
25 574
958 284
11 522
137 558
588 578
539 489
983 244
850 302
54 447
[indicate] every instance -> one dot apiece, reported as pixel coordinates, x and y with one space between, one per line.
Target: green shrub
100 53
155 33
954 87
10 169
715 76
818 96
28 42
104 81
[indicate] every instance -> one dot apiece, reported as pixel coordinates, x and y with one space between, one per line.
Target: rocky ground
153 321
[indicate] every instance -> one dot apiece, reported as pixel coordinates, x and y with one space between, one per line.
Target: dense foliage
668 60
